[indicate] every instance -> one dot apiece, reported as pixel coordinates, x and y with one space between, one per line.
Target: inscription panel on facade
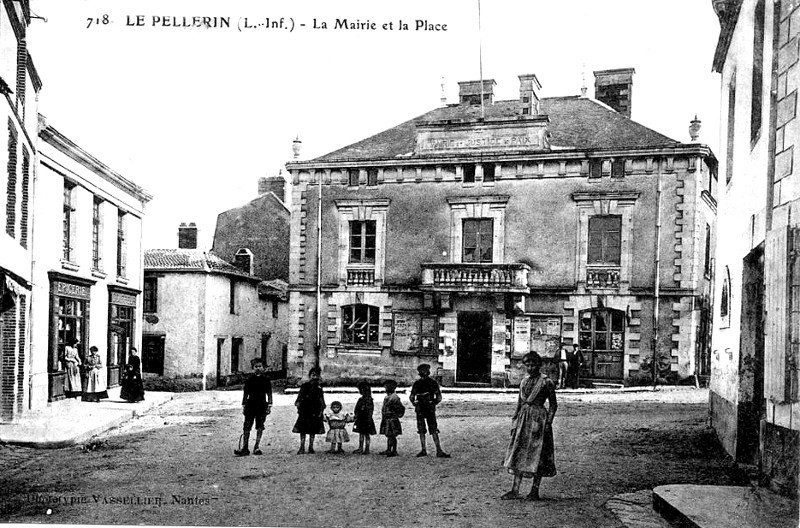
439 140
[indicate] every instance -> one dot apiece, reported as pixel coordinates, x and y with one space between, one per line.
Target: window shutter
776 301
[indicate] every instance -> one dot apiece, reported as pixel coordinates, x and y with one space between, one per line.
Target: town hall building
480 231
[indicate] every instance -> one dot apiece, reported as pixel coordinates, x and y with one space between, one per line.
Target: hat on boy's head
390 383
425 367
575 345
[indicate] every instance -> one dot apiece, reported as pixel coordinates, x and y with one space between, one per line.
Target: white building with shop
87 252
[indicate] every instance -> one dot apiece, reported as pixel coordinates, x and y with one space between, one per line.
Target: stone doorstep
689 505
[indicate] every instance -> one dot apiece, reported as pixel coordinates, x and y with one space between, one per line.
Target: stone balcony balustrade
602 276
488 277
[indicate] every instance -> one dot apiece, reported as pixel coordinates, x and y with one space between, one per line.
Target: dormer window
244 260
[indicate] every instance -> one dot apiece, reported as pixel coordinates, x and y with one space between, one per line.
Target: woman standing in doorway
530 453
72 364
95 377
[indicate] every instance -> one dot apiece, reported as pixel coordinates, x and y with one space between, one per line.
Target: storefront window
70 325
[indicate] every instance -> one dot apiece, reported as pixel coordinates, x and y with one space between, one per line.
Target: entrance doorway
601 337
153 354
751 406
474 359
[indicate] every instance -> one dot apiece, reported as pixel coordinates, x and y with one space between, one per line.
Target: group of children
311 416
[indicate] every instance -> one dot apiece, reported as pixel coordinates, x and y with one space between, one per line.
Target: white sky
196 116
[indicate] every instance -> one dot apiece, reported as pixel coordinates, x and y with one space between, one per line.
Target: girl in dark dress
310 404
132 387
364 424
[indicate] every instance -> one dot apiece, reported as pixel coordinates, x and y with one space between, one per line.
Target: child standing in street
256 405
310 405
364 425
391 413
425 396
337 434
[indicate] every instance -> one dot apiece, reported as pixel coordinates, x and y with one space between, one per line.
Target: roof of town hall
576 122
191 260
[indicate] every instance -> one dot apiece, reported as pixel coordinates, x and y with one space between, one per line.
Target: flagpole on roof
480 59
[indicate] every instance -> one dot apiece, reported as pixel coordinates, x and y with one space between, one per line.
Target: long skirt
95 386
132 389
72 381
309 424
530 451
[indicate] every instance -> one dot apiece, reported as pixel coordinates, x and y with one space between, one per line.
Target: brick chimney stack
187 236
615 88
529 93
274 184
469 92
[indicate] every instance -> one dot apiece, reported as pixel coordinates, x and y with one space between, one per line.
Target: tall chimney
614 88
274 184
529 93
187 236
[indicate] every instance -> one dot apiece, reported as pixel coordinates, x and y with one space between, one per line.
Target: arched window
360 324
725 299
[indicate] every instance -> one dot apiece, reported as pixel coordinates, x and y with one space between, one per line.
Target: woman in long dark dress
132 387
530 452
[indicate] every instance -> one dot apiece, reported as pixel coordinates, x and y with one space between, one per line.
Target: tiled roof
190 260
274 288
575 123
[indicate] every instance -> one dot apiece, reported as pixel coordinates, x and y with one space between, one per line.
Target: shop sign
123 299
71 290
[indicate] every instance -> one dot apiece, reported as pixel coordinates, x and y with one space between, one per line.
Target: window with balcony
604 251
477 240
362 241
362 234
360 324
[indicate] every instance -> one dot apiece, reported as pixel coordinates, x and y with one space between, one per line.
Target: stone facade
467 241
756 340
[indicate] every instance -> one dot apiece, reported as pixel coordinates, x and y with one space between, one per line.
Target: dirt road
175 466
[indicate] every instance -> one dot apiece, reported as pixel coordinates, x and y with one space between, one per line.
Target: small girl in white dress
337 434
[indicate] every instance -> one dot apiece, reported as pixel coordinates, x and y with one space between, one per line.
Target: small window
372 177
232 297
595 168
236 352
488 172
150 301
758 73
362 241
274 309
604 240
725 300
477 240
352 177
469 173
360 324
731 130
526 110
618 168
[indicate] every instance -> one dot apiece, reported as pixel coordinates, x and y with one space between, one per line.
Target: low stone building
206 318
482 230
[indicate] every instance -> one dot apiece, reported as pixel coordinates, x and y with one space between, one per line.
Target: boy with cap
425 396
256 405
